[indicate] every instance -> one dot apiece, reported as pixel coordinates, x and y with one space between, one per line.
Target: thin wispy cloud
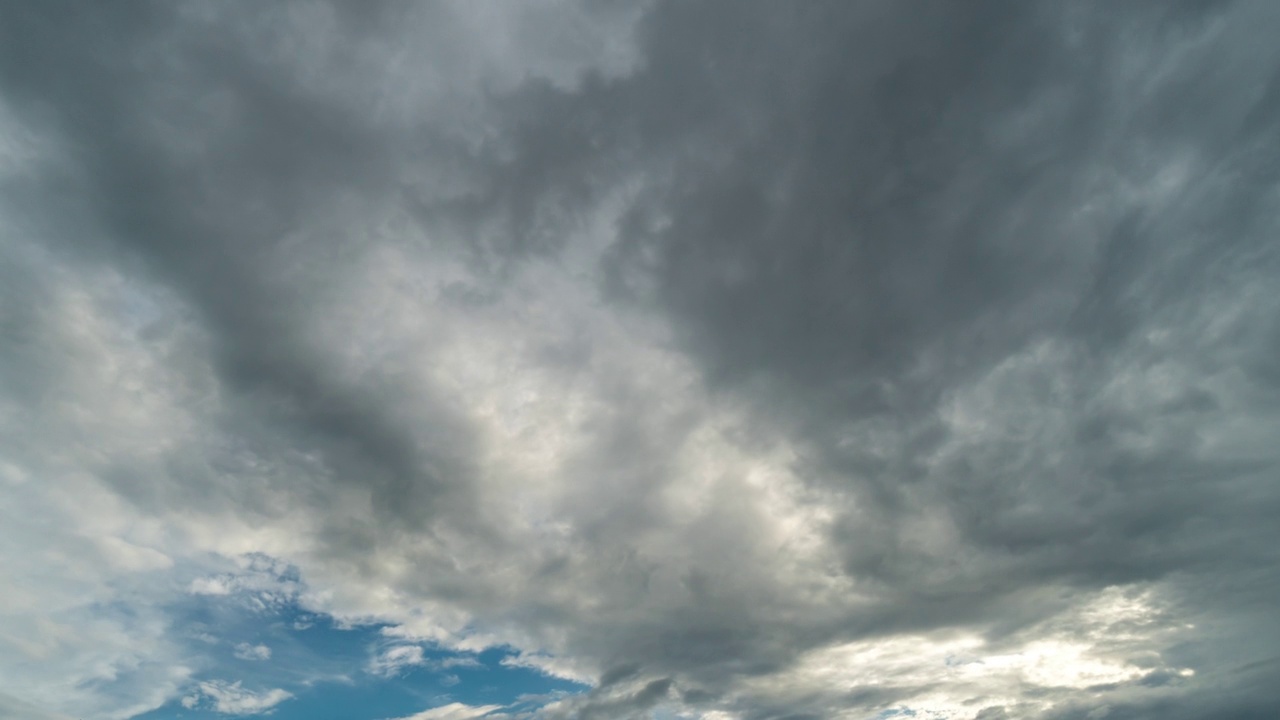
230 698
245 651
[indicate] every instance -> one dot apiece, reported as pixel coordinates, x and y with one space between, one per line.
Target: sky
599 360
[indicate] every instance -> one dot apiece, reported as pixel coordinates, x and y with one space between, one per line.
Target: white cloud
455 711
12 708
456 661
232 699
246 651
396 659
211 586
558 667
1107 640
78 552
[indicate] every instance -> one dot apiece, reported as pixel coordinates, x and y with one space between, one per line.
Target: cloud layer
741 360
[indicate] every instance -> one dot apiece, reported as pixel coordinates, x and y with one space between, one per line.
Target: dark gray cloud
774 360
212 224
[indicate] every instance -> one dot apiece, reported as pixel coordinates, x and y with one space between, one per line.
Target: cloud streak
232 699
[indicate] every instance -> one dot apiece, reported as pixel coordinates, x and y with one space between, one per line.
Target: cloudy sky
612 360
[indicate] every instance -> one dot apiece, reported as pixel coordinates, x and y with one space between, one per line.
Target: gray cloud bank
748 360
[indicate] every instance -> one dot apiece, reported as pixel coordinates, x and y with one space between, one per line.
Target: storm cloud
736 359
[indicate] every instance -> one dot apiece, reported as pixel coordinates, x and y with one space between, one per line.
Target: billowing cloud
740 360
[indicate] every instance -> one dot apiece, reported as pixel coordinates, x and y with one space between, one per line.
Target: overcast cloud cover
736 360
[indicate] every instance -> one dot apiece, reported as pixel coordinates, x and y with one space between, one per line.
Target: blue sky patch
264 654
